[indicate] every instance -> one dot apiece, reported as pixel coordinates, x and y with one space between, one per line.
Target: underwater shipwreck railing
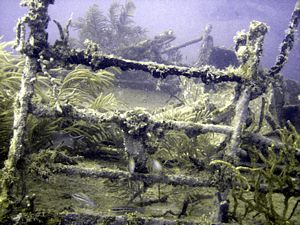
41 56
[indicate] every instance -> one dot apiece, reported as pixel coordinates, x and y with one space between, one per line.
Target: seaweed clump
269 189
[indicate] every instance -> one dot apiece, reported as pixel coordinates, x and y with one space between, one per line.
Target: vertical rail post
248 50
37 20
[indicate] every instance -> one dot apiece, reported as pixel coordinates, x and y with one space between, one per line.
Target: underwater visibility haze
149 112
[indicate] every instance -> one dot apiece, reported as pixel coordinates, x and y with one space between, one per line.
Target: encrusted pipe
241 113
288 42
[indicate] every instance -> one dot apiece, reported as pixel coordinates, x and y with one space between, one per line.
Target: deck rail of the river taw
252 81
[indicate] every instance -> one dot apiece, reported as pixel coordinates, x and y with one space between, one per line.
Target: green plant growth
256 189
195 105
177 147
11 68
82 87
112 32
79 87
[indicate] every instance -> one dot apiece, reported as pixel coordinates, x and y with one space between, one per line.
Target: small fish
127 209
83 198
131 165
157 167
